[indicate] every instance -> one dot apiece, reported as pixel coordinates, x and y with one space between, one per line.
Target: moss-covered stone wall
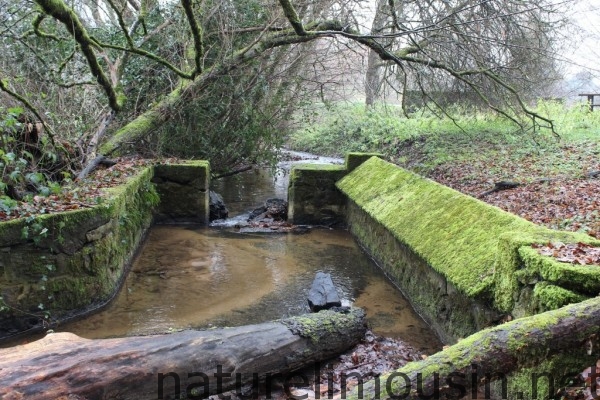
184 192
480 251
466 265
56 265
313 198
450 312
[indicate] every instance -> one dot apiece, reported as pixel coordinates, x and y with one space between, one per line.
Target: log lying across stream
148 367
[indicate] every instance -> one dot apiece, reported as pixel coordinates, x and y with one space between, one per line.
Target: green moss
326 322
585 279
544 380
512 342
518 261
69 293
475 246
10 231
550 297
448 311
143 123
85 267
441 225
300 168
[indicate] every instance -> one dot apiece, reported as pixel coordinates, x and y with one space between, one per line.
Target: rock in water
277 209
218 210
322 293
273 209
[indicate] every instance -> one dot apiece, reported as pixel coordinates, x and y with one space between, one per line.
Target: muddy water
198 277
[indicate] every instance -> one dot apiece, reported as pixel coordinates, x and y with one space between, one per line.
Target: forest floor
557 172
558 184
555 184
75 194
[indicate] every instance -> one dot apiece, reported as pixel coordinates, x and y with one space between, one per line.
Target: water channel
188 276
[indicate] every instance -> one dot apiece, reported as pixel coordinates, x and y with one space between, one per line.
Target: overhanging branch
196 34
63 13
152 119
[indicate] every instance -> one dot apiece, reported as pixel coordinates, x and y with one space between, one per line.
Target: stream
197 277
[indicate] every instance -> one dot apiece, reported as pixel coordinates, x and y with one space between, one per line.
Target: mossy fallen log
497 353
194 363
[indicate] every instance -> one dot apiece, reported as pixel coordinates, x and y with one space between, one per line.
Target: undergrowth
557 174
425 140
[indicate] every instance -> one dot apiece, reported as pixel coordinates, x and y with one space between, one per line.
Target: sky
584 55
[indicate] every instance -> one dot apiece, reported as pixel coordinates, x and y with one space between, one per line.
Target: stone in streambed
322 294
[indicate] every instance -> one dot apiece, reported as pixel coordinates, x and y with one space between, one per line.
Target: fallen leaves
574 253
559 181
559 189
374 356
75 195
334 379
584 387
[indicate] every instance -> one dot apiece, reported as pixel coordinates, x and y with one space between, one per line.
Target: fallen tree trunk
194 362
494 353
95 163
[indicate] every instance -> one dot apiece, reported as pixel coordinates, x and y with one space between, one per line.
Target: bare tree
106 51
501 52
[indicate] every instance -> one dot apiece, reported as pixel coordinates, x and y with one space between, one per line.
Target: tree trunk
372 75
193 362
493 353
152 119
95 163
372 79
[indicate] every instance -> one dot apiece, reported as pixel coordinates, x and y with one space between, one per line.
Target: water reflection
196 277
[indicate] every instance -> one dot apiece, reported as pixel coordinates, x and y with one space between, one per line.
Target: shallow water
198 277
195 277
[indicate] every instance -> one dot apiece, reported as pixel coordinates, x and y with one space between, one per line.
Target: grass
425 141
473 151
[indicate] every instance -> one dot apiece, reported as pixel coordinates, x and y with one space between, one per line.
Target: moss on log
190 361
496 353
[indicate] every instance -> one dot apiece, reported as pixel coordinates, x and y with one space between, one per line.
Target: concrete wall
184 192
58 265
464 265
313 198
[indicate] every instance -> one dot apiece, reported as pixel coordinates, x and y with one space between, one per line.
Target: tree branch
151 56
4 87
36 28
161 112
292 16
63 13
196 34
